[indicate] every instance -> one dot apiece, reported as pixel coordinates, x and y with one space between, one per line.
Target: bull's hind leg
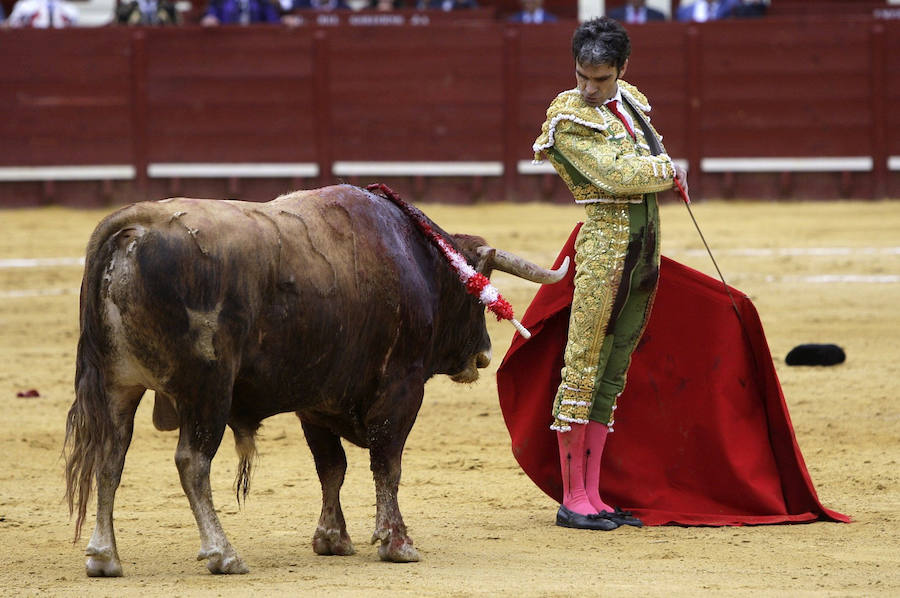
388 428
331 464
203 421
101 552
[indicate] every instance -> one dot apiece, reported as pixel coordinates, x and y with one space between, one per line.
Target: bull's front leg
387 437
201 433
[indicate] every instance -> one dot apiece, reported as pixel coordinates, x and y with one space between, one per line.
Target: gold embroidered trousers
616 273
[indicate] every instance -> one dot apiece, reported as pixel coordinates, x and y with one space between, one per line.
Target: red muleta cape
702 432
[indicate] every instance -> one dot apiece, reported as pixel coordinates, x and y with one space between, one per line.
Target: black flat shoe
567 518
620 517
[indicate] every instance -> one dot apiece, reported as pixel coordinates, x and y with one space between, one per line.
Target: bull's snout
483 359
480 360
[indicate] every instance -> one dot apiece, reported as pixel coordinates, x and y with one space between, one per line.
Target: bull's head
486 259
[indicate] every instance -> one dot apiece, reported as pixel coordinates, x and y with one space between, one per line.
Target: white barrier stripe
349 168
529 167
237 170
41 262
798 164
67 173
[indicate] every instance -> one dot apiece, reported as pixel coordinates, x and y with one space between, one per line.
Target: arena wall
444 109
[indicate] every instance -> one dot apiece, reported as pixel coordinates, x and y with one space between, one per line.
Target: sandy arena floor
482 528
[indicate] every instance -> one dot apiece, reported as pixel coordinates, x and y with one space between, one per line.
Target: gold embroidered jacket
593 153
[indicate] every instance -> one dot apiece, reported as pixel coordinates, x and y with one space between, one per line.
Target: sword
656 149
687 202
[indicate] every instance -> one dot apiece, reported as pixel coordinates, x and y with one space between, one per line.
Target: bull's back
351 245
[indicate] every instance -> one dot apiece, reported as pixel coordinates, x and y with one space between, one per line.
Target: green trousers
616 273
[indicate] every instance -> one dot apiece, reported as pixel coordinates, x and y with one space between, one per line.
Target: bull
328 303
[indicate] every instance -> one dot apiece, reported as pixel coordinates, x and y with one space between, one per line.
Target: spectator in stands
147 12
751 8
533 13
43 14
707 10
635 12
241 12
387 5
323 5
448 5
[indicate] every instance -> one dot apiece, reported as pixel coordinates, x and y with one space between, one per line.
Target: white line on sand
11 263
26 293
811 279
50 262
783 251
838 278
45 262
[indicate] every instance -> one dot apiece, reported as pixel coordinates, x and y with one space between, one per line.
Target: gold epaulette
638 100
570 106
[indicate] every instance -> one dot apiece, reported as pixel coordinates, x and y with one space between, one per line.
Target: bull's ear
485 263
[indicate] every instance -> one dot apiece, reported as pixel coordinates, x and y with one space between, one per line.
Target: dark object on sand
815 355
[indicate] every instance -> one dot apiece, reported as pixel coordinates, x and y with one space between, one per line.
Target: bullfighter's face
597 83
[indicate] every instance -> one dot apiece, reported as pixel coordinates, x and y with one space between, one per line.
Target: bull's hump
303 200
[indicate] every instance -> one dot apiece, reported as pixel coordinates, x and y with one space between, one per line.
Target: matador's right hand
681 177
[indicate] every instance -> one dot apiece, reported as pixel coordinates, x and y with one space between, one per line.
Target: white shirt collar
617 97
621 106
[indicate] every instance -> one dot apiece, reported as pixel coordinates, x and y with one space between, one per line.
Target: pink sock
595 440
571 461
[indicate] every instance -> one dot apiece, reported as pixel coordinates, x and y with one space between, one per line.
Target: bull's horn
518 266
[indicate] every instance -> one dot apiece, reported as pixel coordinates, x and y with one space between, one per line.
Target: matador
599 139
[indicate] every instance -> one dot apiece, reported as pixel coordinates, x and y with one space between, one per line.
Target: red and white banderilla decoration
477 284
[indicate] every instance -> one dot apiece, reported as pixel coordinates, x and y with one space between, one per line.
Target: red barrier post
879 112
322 103
694 105
511 98
139 110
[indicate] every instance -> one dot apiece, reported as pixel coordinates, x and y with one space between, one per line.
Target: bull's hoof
403 553
223 563
395 550
332 541
102 562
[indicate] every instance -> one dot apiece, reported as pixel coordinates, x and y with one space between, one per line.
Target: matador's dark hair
601 41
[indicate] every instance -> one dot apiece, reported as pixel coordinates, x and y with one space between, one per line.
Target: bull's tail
245 443
90 429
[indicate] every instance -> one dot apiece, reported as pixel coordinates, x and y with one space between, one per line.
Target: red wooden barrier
449 109
66 97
